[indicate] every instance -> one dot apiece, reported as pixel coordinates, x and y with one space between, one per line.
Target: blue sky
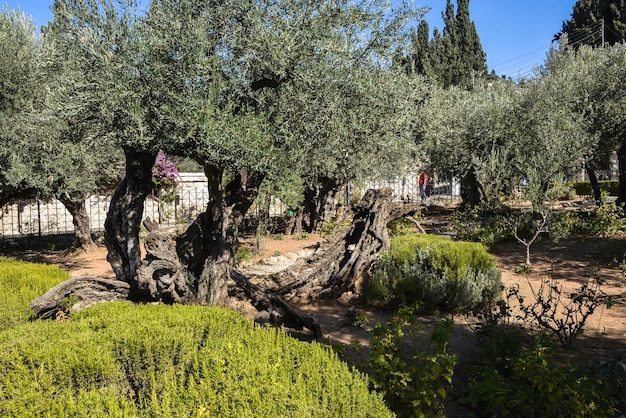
515 34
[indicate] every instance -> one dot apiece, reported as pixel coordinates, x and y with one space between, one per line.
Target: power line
577 37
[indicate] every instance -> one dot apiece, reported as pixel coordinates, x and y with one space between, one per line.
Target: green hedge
119 359
20 283
583 188
435 271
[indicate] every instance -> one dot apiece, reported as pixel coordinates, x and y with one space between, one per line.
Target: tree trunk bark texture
471 190
87 291
294 225
593 180
320 199
341 265
160 274
123 221
207 248
80 218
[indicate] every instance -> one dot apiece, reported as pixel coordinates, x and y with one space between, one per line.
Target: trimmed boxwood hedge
437 272
125 360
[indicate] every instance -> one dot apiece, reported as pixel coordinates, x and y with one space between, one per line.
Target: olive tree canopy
215 81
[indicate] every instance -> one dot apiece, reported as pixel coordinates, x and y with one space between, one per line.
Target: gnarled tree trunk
207 248
471 190
320 198
76 206
123 221
294 224
593 180
339 267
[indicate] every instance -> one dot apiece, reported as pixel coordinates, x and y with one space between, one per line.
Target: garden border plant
514 371
408 363
436 272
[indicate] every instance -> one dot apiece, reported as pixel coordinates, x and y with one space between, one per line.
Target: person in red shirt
423 183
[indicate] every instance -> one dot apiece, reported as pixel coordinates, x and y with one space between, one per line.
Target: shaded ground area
571 263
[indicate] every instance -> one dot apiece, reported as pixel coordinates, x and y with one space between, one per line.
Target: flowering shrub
165 175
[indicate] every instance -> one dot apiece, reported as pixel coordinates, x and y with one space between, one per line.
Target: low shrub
327 228
600 221
410 365
508 378
583 188
514 372
20 283
560 191
243 254
597 221
119 359
477 224
401 226
436 272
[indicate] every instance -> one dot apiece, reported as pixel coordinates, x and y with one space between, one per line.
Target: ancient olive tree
595 79
501 134
348 137
212 82
48 148
468 135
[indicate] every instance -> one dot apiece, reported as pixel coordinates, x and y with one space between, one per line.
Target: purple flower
165 172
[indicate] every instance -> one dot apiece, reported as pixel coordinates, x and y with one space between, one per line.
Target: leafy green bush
482 225
327 228
401 226
118 359
597 221
243 254
513 380
511 374
409 367
20 283
604 220
560 191
435 271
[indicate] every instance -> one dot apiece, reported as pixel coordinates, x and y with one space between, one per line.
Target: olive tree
347 139
48 148
211 82
551 136
19 91
468 134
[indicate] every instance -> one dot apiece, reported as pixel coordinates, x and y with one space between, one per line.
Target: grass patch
20 283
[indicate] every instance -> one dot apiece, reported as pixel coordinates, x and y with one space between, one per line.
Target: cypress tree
421 60
585 24
454 57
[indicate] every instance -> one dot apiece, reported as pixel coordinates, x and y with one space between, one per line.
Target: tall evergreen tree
585 26
420 60
454 57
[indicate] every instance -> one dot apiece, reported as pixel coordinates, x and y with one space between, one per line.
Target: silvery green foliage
47 147
247 84
18 61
